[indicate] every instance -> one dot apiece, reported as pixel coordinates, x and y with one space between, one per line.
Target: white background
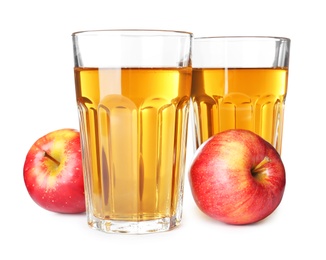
37 96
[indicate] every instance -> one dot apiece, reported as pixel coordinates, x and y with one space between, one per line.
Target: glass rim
133 32
279 38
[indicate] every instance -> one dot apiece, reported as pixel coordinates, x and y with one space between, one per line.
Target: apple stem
51 158
258 167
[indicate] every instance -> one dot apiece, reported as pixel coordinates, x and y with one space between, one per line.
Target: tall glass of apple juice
240 83
133 93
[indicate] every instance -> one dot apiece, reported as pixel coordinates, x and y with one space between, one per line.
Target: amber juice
239 98
134 127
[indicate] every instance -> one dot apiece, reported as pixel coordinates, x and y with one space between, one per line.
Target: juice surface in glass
239 98
134 121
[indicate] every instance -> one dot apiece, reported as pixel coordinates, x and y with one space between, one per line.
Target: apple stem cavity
258 169
47 155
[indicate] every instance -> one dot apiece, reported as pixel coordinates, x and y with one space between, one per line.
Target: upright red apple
237 177
53 172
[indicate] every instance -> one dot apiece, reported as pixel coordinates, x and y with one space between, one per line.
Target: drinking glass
240 83
133 93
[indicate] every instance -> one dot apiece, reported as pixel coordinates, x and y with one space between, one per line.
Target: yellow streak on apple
236 160
55 161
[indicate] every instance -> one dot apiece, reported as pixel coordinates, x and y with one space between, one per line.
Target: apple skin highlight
53 172
237 177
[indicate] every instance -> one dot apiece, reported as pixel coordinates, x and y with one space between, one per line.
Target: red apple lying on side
237 177
53 172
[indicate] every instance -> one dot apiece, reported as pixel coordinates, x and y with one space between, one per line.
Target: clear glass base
133 227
